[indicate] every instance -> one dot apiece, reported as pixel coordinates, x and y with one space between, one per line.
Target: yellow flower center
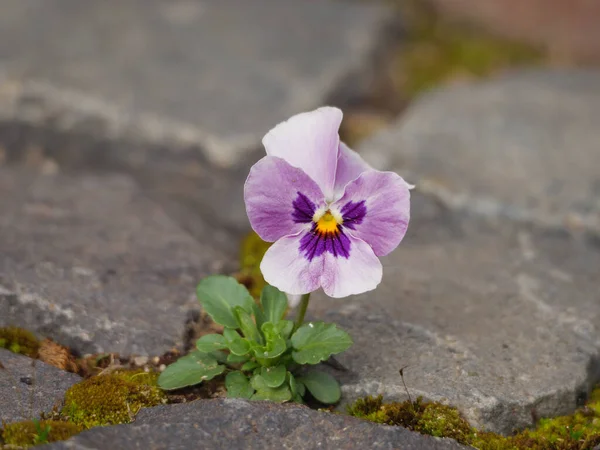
327 223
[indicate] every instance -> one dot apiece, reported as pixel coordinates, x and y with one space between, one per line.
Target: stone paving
91 262
121 187
214 72
524 146
244 425
30 387
494 292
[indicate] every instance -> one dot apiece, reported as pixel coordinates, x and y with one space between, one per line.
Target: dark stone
498 319
239 424
29 387
91 262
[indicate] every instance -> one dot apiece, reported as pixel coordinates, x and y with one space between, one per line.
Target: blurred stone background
127 128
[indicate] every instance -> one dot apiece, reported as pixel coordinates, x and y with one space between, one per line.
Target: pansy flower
329 214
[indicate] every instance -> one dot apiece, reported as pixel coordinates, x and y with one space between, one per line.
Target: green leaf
273 376
293 384
259 315
300 388
220 356
246 324
285 328
250 365
236 344
230 334
237 385
236 359
322 386
211 342
218 294
189 370
296 387
258 382
280 394
239 347
274 304
275 345
316 341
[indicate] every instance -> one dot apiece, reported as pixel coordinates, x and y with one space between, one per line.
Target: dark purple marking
304 209
314 244
353 213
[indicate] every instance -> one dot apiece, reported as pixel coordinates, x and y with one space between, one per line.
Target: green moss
18 340
100 400
28 433
111 399
138 376
434 419
368 408
579 431
251 253
443 421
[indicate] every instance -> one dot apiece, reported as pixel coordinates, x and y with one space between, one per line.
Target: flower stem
302 311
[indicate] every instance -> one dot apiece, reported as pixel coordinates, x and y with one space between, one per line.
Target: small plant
41 432
262 354
329 217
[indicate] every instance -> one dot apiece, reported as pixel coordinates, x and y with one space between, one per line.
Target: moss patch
578 431
18 340
30 433
434 419
432 50
438 51
252 250
111 399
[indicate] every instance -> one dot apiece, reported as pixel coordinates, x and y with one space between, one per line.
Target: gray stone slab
220 72
91 262
498 319
525 145
196 194
239 424
29 387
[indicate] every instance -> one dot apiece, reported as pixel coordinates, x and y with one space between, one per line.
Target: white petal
309 141
360 272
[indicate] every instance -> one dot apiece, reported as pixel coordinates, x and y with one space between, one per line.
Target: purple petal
314 244
285 268
349 166
353 214
304 209
376 207
280 199
359 273
310 142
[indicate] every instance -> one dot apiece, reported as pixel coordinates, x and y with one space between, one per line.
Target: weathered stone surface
219 72
194 193
524 146
498 319
226 424
89 261
29 387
